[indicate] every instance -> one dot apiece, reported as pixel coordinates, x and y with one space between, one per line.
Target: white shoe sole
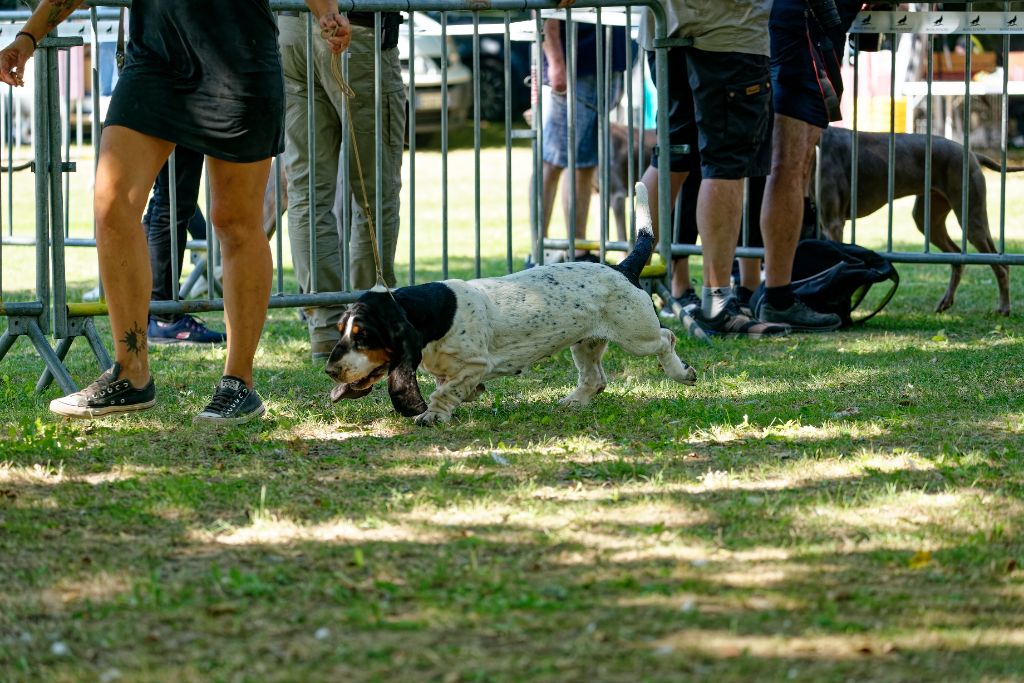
66 410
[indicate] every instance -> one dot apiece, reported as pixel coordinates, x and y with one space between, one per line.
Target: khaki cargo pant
327 115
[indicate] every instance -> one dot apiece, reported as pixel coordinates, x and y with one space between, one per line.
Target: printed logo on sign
935 22
1012 24
902 25
866 20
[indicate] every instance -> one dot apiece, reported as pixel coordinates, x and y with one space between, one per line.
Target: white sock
714 299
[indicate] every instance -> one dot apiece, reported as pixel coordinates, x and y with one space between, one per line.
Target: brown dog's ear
402 385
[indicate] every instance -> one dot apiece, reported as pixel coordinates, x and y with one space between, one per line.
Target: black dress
204 74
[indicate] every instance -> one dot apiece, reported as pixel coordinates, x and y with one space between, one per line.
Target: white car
429 51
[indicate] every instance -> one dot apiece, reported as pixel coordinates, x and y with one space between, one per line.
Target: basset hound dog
465 332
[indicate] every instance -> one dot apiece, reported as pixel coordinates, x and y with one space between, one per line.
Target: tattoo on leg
134 338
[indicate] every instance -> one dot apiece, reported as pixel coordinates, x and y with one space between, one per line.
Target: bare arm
555 55
46 16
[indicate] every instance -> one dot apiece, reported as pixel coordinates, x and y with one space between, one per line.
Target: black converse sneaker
232 404
105 396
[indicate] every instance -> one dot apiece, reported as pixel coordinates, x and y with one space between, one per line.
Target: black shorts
805 65
723 101
203 75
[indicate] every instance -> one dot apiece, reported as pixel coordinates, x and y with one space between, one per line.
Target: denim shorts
556 133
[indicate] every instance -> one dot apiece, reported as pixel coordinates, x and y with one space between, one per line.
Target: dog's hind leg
981 238
662 345
941 239
587 354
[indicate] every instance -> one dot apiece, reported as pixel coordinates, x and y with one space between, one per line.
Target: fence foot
28 326
77 327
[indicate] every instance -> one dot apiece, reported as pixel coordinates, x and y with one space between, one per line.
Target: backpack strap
862 291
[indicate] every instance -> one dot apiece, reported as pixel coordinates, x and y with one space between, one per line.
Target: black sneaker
743 296
687 302
232 404
187 330
731 322
800 317
105 396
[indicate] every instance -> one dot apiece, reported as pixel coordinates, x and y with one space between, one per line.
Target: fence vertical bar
172 184
854 150
929 125
570 114
630 168
476 144
378 149
1004 114
508 144
537 87
444 146
311 147
966 166
602 152
412 148
891 180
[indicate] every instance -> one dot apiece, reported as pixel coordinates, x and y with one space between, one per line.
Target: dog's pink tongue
341 391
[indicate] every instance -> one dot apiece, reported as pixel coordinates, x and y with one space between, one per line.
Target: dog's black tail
994 165
634 263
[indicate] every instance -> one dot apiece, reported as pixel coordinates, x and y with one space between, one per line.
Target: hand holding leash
336 30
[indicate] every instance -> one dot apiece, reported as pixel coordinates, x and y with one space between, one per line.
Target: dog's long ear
402 384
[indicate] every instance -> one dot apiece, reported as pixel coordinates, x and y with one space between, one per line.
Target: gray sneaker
800 317
687 302
731 322
233 403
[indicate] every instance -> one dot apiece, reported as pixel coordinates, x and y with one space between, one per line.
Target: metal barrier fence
49 310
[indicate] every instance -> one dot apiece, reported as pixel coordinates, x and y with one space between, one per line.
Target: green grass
845 507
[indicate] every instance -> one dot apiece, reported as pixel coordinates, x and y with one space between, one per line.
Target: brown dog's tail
994 165
634 263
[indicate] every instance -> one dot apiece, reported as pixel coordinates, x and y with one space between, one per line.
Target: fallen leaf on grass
920 559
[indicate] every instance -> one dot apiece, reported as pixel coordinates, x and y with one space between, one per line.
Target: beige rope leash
350 94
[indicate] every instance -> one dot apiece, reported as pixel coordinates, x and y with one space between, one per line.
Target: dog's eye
355 329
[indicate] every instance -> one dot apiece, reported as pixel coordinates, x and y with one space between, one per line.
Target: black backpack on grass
832 277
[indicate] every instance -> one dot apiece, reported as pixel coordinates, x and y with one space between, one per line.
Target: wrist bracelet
35 43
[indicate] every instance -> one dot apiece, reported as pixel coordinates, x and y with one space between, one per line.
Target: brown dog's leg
979 235
940 238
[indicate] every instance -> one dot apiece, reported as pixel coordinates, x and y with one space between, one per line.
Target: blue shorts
805 65
556 132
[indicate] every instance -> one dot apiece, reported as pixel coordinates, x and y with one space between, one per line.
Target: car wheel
492 90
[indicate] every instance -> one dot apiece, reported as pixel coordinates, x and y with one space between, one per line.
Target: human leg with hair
807 88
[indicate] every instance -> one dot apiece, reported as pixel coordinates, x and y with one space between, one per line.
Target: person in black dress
204 74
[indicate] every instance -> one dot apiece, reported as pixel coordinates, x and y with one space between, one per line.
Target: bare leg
650 180
783 209
128 165
584 187
680 276
549 189
750 273
248 268
719 207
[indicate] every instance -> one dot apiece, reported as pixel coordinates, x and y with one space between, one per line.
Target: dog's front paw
431 418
